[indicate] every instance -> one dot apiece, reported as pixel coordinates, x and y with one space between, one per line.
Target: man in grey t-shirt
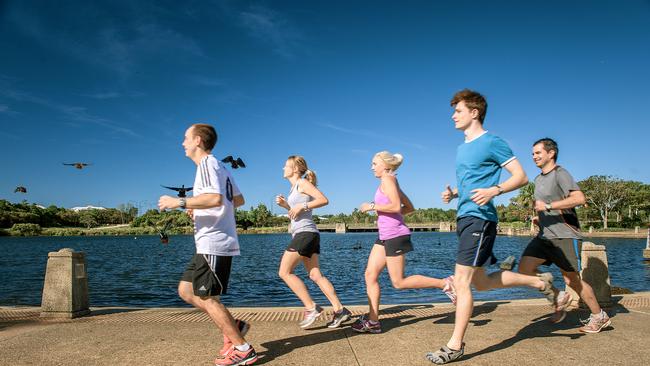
559 241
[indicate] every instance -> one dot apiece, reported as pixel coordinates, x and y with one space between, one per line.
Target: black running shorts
208 274
564 253
475 241
306 243
396 246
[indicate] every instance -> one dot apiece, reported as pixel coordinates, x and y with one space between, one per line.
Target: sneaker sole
303 326
609 322
345 318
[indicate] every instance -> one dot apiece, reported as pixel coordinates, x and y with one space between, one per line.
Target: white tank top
303 222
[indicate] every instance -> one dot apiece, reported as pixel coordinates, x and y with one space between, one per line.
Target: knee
371 276
398 284
315 275
481 286
283 274
186 295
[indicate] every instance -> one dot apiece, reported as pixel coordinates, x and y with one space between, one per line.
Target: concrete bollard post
341 228
594 271
65 292
445 226
636 229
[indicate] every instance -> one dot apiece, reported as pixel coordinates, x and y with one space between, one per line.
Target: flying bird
20 189
181 191
77 165
235 163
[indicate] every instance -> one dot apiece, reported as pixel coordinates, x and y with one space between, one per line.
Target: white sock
244 347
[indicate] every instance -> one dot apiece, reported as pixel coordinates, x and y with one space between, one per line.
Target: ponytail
310 175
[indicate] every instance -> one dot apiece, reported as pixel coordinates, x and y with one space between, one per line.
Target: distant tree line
611 202
53 216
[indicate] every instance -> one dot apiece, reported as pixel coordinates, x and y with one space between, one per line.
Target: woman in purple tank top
394 241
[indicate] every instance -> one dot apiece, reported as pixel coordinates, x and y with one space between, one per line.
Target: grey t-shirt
554 186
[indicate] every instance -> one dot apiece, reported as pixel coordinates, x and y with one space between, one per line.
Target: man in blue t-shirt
479 161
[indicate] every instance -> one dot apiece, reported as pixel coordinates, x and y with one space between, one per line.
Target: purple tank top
391 225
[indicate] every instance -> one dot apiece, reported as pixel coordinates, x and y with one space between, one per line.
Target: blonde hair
301 164
392 161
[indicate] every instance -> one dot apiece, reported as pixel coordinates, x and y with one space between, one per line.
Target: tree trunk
618 217
605 219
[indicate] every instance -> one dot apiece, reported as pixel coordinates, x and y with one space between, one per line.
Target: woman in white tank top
305 243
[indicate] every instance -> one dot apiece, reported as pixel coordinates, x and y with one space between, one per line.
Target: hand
540 205
168 202
447 195
365 207
190 213
482 196
280 200
295 211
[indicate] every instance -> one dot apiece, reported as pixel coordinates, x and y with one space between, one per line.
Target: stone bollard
595 272
65 292
445 226
636 229
341 228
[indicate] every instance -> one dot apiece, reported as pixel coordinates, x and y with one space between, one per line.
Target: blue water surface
129 271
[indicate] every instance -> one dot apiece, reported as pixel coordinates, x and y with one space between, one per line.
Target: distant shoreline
123 230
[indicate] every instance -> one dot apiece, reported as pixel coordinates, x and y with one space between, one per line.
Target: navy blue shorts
475 241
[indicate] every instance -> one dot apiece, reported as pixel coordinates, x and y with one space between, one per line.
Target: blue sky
116 83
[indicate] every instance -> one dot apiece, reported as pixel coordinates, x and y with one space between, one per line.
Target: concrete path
501 332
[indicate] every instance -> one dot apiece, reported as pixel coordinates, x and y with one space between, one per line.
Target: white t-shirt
215 230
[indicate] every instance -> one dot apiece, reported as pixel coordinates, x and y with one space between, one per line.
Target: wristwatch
500 189
372 206
182 203
548 207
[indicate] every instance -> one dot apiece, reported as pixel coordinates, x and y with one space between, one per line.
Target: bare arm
202 201
517 180
391 190
238 201
575 198
407 205
319 199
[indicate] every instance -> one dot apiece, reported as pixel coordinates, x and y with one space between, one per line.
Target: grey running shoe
339 317
311 316
563 300
363 325
596 323
445 355
547 278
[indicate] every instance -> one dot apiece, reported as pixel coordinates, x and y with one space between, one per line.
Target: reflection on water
124 271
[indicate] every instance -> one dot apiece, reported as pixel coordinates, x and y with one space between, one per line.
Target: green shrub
26 229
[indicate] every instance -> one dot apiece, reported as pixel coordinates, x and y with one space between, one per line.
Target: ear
474 113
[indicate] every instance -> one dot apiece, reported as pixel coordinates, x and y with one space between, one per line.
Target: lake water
128 271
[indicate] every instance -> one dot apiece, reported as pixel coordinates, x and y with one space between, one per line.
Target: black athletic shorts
208 274
396 246
475 241
306 243
564 253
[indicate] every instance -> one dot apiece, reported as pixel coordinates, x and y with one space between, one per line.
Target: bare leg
215 309
464 306
289 262
312 266
376 264
396 272
585 291
501 279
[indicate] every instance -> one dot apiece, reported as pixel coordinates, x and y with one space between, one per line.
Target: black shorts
396 246
564 253
208 279
306 243
475 241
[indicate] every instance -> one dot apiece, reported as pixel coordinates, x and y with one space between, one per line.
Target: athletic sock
244 347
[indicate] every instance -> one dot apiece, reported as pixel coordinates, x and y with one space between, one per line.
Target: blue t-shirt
478 165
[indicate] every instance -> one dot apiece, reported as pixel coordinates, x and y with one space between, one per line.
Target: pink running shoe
227 343
449 289
235 357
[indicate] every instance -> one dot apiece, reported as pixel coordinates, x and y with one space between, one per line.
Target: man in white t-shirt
215 233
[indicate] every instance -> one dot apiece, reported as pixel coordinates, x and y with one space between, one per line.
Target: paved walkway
501 332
